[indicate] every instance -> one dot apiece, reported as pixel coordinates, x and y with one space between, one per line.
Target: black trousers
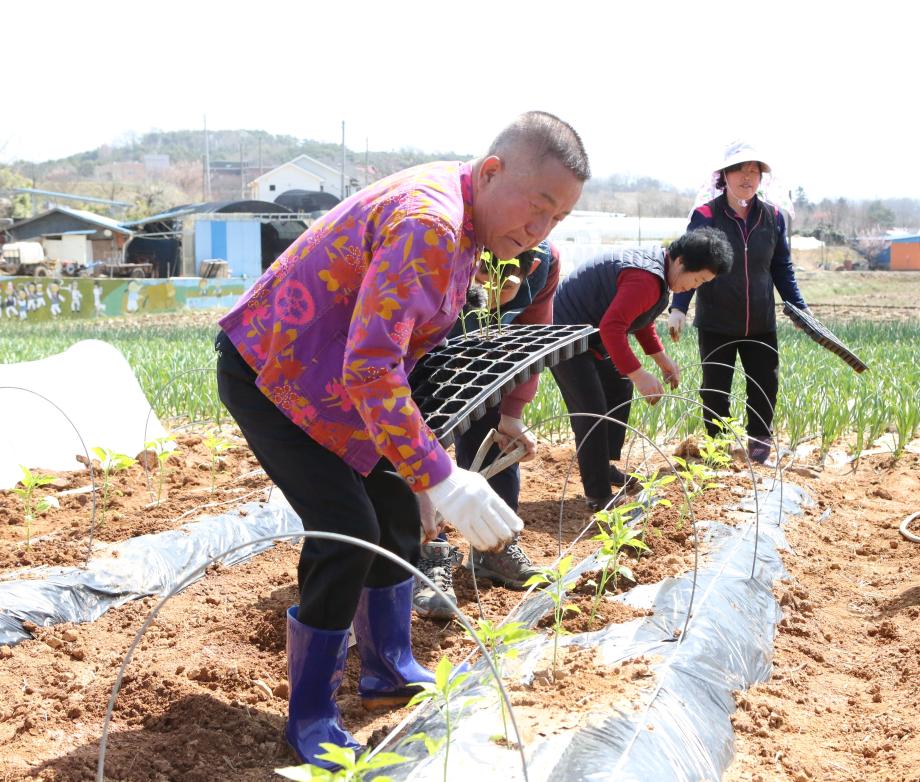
760 361
590 383
328 495
507 483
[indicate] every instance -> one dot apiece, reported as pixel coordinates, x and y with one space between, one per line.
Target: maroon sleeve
540 310
637 292
648 338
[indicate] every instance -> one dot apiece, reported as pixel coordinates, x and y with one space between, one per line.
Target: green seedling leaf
442 673
30 482
351 769
341 756
111 462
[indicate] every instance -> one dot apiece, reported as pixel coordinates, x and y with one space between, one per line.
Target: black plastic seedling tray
457 382
823 336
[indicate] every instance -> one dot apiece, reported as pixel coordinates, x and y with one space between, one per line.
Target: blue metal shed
236 241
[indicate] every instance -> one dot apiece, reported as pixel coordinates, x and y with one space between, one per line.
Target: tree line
834 221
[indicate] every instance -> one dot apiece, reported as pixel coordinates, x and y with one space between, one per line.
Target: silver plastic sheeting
145 565
680 729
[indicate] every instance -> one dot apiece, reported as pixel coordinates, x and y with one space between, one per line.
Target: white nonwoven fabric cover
93 384
805 243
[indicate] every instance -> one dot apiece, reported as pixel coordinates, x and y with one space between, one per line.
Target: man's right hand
676 322
466 501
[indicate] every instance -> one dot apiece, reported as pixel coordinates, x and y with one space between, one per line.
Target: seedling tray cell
823 336
457 382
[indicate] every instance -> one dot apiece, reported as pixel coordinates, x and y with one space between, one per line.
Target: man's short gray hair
547 136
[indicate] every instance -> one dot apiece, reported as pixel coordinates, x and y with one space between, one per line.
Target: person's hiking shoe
758 450
437 561
510 567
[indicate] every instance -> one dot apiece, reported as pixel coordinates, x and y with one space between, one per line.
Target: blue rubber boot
382 631
316 664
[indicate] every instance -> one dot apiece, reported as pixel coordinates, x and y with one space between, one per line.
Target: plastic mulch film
145 565
678 727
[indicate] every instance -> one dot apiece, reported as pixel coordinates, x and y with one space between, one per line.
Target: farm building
905 253
248 235
72 235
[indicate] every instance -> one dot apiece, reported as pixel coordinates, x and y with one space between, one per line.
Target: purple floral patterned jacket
334 327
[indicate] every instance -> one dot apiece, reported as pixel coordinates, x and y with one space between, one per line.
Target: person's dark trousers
507 483
760 361
328 495
591 384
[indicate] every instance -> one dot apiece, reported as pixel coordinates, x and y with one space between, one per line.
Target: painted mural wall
49 298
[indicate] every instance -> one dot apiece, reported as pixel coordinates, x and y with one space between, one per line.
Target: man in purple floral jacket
313 366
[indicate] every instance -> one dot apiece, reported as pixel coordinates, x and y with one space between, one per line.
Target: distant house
72 235
155 162
303 173
126 171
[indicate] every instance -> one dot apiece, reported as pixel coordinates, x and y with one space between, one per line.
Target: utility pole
207 163
242 178
639 218
342 191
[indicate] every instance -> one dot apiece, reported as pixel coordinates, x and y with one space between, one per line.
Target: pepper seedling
111 463
30 482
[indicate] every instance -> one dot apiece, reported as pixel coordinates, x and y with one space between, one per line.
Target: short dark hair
704 248
548 136
720 180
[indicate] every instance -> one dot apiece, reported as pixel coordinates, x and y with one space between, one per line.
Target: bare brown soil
140 501
206 694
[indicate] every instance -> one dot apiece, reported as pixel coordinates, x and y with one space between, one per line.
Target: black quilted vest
585 295
741 302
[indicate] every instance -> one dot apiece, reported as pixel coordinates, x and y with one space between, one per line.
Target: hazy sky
655 87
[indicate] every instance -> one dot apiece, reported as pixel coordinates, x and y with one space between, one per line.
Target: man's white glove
676 322
466 501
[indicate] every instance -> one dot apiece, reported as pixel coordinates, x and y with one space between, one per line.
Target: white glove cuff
441 491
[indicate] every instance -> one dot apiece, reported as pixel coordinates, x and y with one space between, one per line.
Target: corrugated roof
205 207
80 214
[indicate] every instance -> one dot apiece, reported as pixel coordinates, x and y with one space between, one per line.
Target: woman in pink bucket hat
735 313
